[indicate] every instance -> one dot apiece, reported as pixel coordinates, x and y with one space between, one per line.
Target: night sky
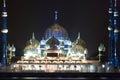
89 17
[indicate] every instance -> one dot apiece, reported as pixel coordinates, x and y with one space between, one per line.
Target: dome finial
78 35
33 35
56 15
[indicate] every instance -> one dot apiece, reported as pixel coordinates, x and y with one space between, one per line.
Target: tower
116 33
4 32
113 34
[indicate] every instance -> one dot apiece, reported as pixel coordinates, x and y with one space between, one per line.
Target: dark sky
89 17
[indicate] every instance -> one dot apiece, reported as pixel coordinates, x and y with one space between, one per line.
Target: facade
55 53
56 41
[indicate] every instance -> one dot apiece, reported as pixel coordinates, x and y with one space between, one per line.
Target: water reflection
57 78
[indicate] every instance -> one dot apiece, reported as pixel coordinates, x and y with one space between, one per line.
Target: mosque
55 52
56 43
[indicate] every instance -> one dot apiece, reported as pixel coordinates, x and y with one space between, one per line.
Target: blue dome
57 31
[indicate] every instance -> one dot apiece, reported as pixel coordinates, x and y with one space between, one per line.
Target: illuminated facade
55 52
56 41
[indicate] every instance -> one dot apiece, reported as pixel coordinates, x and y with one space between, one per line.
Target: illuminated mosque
55 47
56 43
55 52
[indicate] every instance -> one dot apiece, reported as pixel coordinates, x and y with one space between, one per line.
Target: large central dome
57 31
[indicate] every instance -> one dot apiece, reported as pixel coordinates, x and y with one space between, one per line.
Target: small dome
29 47
32 43
79 45
80 42
57 31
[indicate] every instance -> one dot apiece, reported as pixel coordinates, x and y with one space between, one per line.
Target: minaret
111 34
4 32
116 35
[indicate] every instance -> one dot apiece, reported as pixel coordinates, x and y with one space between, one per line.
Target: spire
111 7
115 8
4 4
4 11
33 35
78 38
56 16
78 35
